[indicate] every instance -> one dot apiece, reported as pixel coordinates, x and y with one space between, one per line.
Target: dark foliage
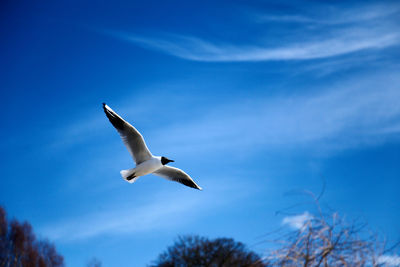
20 248
199 251
94 262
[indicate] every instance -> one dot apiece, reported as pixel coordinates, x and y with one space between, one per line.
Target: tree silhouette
322 239
326 239
94 262
20 248
199 251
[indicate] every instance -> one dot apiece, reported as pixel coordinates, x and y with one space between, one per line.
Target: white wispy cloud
361 111
297 221
197 49
129 219
125 219
165 210
332 15
341 31
389 260
350 114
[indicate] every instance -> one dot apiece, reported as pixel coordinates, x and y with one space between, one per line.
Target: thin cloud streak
351 114
362 111
333 16
127 220
166 211
339 31
197 49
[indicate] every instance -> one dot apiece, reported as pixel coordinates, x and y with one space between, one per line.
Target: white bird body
146 163
147 167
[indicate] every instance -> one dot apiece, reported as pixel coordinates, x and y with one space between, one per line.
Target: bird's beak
170 160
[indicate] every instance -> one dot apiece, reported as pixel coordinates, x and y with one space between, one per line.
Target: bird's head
165 160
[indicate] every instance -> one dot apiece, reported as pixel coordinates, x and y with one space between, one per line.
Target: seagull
146 163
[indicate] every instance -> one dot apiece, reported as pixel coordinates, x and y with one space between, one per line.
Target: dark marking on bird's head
165 160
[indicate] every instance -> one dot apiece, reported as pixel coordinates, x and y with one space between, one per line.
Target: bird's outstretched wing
177 175
133 140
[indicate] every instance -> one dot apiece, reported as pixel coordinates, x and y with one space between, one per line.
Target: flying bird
146 163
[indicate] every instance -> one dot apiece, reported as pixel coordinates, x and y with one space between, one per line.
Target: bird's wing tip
106 107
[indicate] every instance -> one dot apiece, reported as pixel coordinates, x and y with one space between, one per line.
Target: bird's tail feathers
129 175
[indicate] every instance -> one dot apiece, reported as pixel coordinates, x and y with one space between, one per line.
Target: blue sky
255 100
